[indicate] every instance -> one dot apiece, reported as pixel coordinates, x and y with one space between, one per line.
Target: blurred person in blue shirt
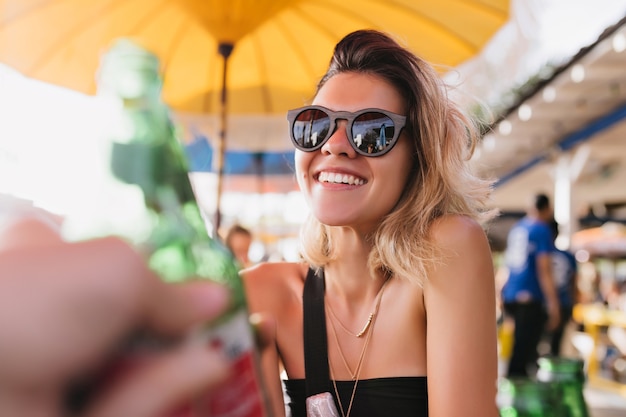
529 295
565 273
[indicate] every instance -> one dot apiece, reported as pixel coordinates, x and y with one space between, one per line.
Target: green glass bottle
568 377
524 397
150 201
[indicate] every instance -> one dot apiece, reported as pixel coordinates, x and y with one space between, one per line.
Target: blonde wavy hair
440 182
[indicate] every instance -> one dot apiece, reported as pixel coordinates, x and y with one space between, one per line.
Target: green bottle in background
568 377
147 197
525 397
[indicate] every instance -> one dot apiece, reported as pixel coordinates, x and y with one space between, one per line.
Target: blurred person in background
239 239
393 248
529 295
565 273
64 307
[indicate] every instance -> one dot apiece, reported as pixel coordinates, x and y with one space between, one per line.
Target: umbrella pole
224 50
259 168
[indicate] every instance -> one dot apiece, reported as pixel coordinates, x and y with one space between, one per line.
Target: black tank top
378 397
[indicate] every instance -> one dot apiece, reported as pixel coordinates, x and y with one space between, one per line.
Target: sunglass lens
372 132
310 128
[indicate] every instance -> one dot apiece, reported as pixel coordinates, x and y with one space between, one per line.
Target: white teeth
337 178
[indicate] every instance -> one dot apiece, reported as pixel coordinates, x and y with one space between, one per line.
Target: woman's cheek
301 162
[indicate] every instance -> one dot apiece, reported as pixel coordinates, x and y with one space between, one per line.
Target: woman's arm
261 292
461 323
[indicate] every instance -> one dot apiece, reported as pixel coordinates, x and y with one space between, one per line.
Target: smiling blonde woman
395 240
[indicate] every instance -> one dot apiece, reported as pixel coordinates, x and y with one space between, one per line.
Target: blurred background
545 78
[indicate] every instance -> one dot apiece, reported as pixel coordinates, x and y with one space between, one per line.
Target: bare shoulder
458 232
272 272
272 284
465 249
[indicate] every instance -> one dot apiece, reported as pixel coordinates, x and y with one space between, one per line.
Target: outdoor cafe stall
601 253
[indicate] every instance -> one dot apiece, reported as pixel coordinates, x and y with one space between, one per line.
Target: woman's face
380 180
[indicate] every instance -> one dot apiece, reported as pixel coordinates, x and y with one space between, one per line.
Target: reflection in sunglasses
371 132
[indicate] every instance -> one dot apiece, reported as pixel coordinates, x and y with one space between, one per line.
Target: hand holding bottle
64 306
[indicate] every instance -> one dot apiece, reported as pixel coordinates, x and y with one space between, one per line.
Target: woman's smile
339 178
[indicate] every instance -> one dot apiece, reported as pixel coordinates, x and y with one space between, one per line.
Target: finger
82 287
170 381
28 232
174 308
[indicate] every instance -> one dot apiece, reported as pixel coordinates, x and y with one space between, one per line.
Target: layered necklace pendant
366 326
366 331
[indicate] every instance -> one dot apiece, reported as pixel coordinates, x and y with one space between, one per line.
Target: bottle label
241 395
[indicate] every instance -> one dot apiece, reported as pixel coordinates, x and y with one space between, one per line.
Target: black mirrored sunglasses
371 132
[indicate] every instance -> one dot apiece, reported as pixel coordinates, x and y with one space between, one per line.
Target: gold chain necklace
369 319
345 329
365 330
355 377
332 377
343 358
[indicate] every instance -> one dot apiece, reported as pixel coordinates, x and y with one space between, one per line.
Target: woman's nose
338 143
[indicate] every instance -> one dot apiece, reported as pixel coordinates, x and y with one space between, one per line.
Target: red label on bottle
240 396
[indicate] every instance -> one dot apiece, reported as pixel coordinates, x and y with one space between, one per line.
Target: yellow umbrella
280 48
